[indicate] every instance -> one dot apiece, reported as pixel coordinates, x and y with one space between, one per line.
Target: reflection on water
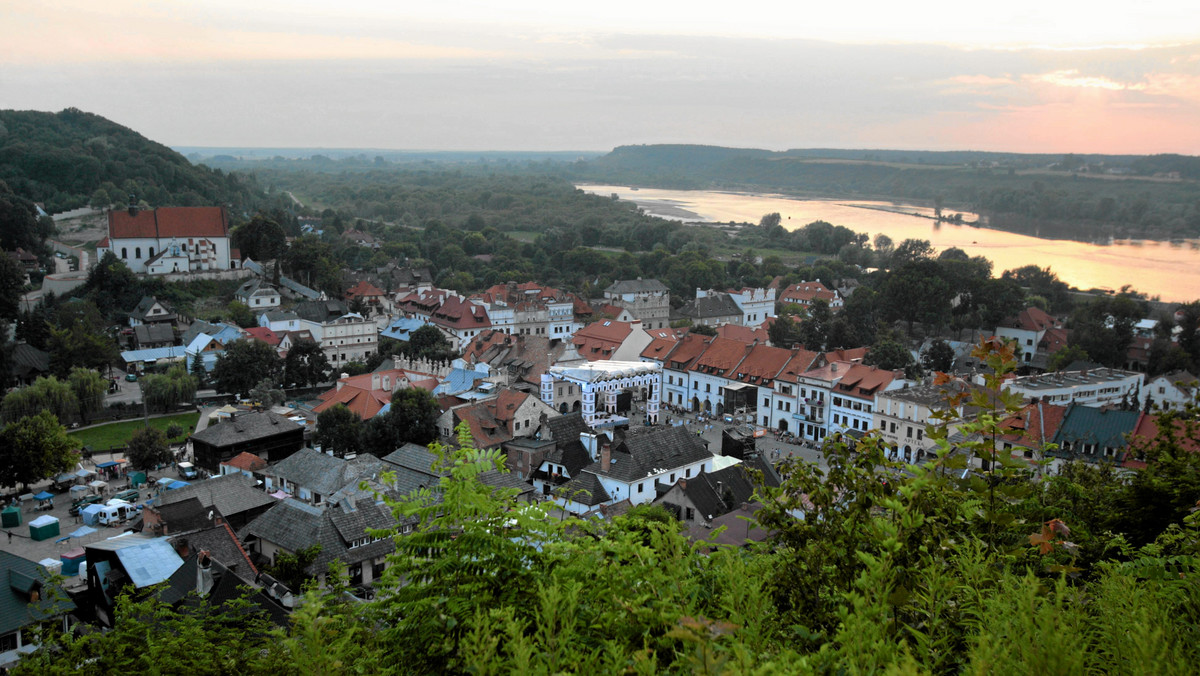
1167 269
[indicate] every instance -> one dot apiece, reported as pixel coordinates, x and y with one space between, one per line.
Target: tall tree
12 283
89 388
262 238
305 364
339 430
78 345
168 390
267 394
33 448
147 449
938 356
47 394
244 364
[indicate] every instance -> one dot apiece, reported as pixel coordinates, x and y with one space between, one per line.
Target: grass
523 235
117 434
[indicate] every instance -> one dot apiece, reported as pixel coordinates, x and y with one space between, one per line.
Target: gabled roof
743 334
264 334
168 222
805 293
256 287
153 333
456 313
245 427
636 286
18 577
247 462
600 339
716 493
28 360
713 304
231 494
321 311
720 356
584 489
1034 426
1032 319
491 421
686 351
565 428
865 381
1104 427
294 525
760 365
146 304
648 452
800 362
324 474
363 289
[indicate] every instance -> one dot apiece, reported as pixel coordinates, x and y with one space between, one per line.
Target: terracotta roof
1032 319
363 289
264 334
743 334
491 421
851 355
720 356
598 340
805 293
865 381
760 366
687 350
356 393
456 313
247 462
1054 340
800 362
1034 425
661 344
169 222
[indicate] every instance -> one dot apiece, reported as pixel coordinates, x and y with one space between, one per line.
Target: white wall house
170 239
757 305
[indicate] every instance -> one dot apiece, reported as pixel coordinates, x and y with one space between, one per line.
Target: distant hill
62 159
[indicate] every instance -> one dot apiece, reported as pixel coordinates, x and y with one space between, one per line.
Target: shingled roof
168 222
231 494
294 525
645 453
636 286
245 427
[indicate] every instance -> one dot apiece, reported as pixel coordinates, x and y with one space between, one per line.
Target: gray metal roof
231 494
636 286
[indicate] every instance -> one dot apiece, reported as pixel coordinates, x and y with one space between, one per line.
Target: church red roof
169 222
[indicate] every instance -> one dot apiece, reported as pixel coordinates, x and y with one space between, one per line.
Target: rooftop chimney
204 576
605 456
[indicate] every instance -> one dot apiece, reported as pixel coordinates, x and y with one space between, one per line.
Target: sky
1051 76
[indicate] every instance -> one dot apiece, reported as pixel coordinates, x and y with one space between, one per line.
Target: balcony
815 418
815 402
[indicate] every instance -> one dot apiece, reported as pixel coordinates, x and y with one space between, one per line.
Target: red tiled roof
761 365
742 334
103 243
866 381
801 361
169 222
491 421
247 462
854 354
721 355
456 313
363 289
1146 430
805 293
663 340
689 347
264 334
356 394
598 340
1032 319
1034 425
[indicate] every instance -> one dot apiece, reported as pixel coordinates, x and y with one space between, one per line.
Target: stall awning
44 495
106 465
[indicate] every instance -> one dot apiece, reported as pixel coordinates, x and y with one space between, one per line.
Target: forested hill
1086 197
71 158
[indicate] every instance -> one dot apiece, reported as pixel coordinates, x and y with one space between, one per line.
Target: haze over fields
526 75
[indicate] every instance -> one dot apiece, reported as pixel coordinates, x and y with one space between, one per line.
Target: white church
170 239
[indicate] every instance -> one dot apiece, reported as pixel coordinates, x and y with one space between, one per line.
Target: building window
640 486
689 514
137 252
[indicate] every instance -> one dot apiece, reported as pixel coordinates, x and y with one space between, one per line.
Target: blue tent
44 495
177 484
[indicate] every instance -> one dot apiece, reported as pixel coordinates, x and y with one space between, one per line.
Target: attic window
607 323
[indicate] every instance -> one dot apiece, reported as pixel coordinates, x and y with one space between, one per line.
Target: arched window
124 252
151 252
137 252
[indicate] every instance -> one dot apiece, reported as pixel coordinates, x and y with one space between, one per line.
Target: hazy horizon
1026 77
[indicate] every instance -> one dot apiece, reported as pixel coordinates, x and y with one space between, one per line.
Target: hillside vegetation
71 159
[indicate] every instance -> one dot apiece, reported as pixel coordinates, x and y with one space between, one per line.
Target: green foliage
305 364
79 345
239 313
45 394
166 391
147 449
412 418
340 430
266 394
938 356
1066 356
33 448
245 364
295 571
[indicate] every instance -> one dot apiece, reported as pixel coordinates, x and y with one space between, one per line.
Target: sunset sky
1047 76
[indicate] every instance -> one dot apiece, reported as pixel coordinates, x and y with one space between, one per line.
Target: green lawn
117 434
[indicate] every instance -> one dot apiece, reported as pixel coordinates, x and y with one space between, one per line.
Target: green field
117 434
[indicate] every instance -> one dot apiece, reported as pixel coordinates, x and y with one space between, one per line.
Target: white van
113 515
187 470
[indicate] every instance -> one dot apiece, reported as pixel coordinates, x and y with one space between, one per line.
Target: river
1168 270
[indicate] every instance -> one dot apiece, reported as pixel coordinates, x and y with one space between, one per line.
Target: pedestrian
10 537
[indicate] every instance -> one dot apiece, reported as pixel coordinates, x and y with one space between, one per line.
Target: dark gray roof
413 457
221 543
245 427
565 428
256 287
28 360
197 327
144 306
585 489
572 455
713 305
636 286
281 315
717 493
325 474
294 525
321 311
154 333
186 515
227 586
497 479
18 577
231 494
641 454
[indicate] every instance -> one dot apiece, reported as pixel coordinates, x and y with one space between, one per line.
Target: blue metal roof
152 354
458 381
401 329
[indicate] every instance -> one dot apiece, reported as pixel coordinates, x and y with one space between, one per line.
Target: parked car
131 377
130 495
84 502
187 470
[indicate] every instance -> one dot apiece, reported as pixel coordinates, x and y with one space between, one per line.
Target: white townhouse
757 305
852 398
